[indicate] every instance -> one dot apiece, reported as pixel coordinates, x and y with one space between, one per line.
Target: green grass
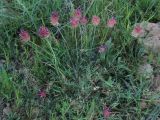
70 70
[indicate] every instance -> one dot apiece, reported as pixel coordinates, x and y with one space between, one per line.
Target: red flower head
95 20
54 19
44 32
77 13
24 36
102 48
106 112
111 22
83 20
42 94
138 31
74 22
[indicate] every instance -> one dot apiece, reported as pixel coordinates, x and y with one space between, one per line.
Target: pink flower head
102 48
42 94
106 112
54 19
74 22
77 13
83 20
24 36
95 20
44 32
137 31
111 22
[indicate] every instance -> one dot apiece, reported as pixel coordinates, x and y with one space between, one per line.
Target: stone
7 110
151 42
143 104
145 71
156 83
151 38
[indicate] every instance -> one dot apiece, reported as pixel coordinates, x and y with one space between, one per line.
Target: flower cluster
95 20
24 35
76 19
138 31
54 18
106 112
102 48
42 93
44 32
